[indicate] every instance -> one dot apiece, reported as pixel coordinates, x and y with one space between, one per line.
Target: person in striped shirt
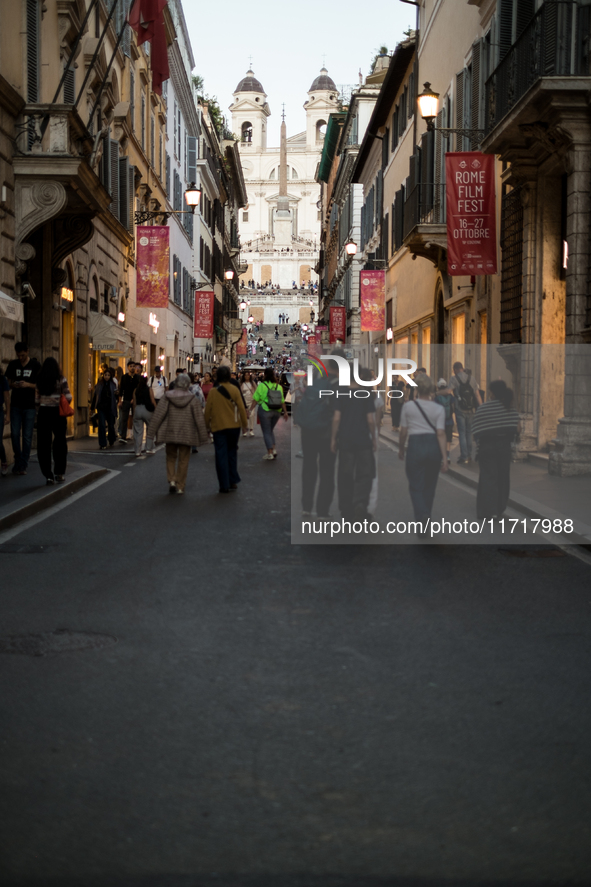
494 428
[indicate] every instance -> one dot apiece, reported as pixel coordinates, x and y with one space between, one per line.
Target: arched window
320 130
272 176
247 131
294 174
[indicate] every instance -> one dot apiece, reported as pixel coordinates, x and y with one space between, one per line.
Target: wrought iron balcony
554 44
424 230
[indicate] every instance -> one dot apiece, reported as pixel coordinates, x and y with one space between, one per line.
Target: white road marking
49 512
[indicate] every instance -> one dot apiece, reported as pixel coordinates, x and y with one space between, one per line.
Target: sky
288 43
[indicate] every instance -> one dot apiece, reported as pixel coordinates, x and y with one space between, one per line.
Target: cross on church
250 61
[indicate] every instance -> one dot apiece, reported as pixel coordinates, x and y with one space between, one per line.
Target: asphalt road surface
215 707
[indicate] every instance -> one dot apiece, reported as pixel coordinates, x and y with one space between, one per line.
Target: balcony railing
554 44
425 205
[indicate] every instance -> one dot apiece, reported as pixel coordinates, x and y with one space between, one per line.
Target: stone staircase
267 331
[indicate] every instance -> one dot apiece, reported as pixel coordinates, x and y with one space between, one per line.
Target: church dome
250 84
323 82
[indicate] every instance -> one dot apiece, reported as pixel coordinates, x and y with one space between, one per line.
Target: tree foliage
383 50
215 111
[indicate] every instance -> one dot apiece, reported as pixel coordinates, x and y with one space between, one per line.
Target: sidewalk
534 492
23 497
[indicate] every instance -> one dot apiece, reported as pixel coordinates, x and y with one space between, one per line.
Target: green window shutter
33 44
114 161
191 159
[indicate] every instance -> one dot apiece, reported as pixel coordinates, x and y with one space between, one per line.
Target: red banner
338 325
153 266
242 345
373 301
204 301
471 213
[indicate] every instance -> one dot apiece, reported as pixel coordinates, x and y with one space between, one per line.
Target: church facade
280 226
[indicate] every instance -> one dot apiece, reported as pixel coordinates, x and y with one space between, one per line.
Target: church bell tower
249 113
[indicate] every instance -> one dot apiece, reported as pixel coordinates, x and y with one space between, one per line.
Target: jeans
141 417
318 464
51 425
423 461
177 473
2 450
106 420
494 481
464 423
356 472
226 456
268 420
21 418
124 411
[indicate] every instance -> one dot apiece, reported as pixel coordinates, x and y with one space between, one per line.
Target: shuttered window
477 90
33 47
168 176
70 87
191 159
126 193
385 146
114 158
395 130
398 220
427 172
132 98
152 141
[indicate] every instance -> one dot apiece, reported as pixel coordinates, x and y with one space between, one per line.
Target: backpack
465 395
312 412
274 397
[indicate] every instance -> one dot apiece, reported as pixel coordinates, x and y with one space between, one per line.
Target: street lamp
242 305
192 196
229 274
351 248
428 102
251 319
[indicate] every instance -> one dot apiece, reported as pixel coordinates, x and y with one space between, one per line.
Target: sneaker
22 472
462 461
179 491
102 448
233 488
122 440
251 433
268 457
49 482
172 487
60 478
4 469
150 452
274 452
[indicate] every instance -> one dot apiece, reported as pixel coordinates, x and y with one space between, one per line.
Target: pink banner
338 325
204 301
153 266
471 213
373 301
242 345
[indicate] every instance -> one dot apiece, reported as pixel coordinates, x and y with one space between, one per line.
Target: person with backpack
269 396
466 394
157 383
144 404
446 399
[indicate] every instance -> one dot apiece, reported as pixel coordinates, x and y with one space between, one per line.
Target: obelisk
282 221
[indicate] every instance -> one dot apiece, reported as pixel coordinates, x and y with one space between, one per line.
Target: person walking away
22 377
126 388
195 388
495 427
467 398
354 434
269 396
445 398
422 422
248 388
51 426
104 401
177 374
4 412
396 402
178 420
144 404
224 416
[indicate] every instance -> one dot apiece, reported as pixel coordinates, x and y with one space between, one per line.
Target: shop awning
107 335
11 308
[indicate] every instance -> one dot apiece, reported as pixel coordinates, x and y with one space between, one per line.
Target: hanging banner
242 344
373 301
204 301
471 213
338 325
153 266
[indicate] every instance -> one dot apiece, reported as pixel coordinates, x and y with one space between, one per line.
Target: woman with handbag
53 398
144 404
104 401
422 422
269 396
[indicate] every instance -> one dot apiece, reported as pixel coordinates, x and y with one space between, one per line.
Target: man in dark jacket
129 383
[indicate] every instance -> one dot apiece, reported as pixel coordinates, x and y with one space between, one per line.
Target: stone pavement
534 492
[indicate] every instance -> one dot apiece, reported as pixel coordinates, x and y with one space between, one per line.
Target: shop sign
471 213
154 322
338 324
67 298
373 301
204 302
153 266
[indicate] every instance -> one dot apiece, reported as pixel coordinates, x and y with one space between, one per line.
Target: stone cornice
182 89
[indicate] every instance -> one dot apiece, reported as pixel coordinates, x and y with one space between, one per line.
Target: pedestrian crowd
339 437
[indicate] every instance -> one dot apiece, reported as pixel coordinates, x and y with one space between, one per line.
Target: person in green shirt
269 396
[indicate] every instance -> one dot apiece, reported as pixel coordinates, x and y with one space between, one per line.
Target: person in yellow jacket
225 416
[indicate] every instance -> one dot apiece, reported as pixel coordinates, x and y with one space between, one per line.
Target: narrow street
248 713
